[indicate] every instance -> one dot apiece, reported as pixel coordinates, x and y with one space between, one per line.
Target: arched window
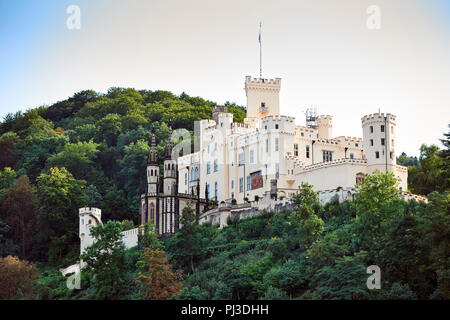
196 174
152 213
360 177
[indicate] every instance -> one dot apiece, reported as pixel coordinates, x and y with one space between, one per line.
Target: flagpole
260 52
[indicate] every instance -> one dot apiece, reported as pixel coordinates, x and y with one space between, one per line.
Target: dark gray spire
153 154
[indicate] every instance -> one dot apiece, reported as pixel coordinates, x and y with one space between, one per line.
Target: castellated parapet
263 96
325 126
277 122
262 83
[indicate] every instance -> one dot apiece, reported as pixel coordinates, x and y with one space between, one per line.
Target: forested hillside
91 150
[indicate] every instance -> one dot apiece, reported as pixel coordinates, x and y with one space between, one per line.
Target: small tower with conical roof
170 167
152 167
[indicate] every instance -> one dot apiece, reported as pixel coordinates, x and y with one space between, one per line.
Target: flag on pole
259 37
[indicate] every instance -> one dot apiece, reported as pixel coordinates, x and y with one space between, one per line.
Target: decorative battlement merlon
378 117
90 210
262 81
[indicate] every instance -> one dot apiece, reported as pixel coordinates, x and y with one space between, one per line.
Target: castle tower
325 126
152 167
88 218
216 111
379 141
263 96
170 167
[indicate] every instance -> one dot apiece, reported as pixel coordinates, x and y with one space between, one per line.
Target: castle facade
270 151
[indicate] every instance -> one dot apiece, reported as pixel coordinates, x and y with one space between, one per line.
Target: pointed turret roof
169 146
153 154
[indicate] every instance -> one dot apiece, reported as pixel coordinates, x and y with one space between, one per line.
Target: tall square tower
263 96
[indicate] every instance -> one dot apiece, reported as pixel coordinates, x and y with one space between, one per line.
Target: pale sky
322 50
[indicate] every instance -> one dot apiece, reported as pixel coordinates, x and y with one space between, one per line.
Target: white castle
271 152
257 165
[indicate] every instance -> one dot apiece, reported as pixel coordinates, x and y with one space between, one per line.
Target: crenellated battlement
270 118
262 82
378 117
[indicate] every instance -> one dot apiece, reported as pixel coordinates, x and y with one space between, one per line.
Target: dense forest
91 150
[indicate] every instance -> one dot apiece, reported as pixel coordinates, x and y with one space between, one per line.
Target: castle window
241 159
185 178
252 156
215 146
276 144
232 184
360 177
265 127
263 107
377 154
267 145
356 145
382 141
371 129
277 171
192 174
307 151
296 149
196 174
391 155
208 148
216 166
276 126
151 172
248 183
302 134
382 128
371 142
216 189
241 185
351 155
208 168
152 214
327 156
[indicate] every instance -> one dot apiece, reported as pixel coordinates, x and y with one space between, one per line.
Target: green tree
77 158
33 152
105 260
18 209
114 205
109 128
148 237
93 196
7 180
186 246
431 175
60 196
306 204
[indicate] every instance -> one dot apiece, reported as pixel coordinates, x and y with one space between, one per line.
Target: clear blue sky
321 49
